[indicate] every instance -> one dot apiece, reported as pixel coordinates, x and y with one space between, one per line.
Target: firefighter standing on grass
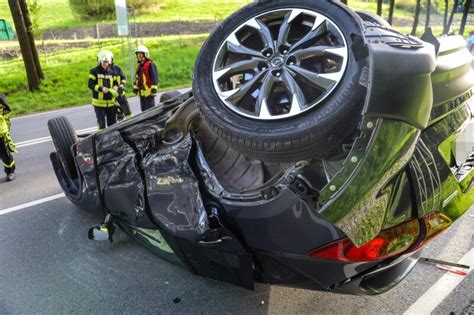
104 90
6 144
146 78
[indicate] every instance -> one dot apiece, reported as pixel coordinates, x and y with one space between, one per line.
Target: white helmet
105 55
142 49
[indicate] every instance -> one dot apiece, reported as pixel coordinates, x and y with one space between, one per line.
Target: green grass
193 10
67 72
58 14
53 14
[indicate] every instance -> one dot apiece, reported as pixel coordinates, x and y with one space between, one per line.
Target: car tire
318 129
63 136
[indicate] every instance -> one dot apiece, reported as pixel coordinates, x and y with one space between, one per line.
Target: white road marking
51 112
441 289
31 204
46 139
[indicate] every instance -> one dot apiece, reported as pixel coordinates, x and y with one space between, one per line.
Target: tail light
388 243
435 223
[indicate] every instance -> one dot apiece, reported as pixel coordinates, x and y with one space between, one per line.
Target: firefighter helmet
142 49
105 56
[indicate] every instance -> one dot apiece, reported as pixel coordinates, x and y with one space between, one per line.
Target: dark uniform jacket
119 76
4 108
98 78
146 78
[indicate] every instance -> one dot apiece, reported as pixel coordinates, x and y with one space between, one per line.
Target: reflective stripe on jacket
4 116
99 78
4 128
119 76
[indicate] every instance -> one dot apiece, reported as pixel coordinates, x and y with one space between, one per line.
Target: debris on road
442 262
452 270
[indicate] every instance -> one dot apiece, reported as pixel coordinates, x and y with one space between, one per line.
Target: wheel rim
280 64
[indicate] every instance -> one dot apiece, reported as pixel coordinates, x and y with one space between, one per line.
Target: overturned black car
318 149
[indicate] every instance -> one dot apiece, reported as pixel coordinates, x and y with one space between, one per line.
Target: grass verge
58 14
67 72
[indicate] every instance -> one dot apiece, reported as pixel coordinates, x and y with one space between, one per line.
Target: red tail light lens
388 243
435 224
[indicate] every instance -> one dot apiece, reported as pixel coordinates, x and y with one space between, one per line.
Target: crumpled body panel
144 182
173 191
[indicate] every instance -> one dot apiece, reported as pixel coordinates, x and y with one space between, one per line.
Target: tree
379 7
467 6
428 14
31 38
390 12
344 1
445 20
26 51
455 5
417 17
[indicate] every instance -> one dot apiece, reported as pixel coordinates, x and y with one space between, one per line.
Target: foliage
105 9
66 72
59 13
34 8
407 5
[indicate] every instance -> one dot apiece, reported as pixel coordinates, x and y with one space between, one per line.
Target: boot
11 177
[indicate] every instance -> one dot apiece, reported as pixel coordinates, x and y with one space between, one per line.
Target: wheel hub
277 62
280 64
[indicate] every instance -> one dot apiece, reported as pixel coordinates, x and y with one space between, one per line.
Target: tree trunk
30 67
390 12
344 1
452 16
428 14
379 7
467 6
31 38
417 17
445 20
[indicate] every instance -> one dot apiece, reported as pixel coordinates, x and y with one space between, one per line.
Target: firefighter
104 90
146 78
6 144
120 79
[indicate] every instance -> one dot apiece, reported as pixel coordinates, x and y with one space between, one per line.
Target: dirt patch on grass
15 52
136 30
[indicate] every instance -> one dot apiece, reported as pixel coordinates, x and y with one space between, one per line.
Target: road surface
47 265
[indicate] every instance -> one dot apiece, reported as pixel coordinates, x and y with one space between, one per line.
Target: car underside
334 188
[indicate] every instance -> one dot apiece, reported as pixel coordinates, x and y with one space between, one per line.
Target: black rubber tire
63 136
234 171
314 134
373 18
169 95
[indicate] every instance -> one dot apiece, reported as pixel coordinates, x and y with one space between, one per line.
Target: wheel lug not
285 51
268 55
278 74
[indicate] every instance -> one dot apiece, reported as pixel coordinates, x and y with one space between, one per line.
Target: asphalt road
47 265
